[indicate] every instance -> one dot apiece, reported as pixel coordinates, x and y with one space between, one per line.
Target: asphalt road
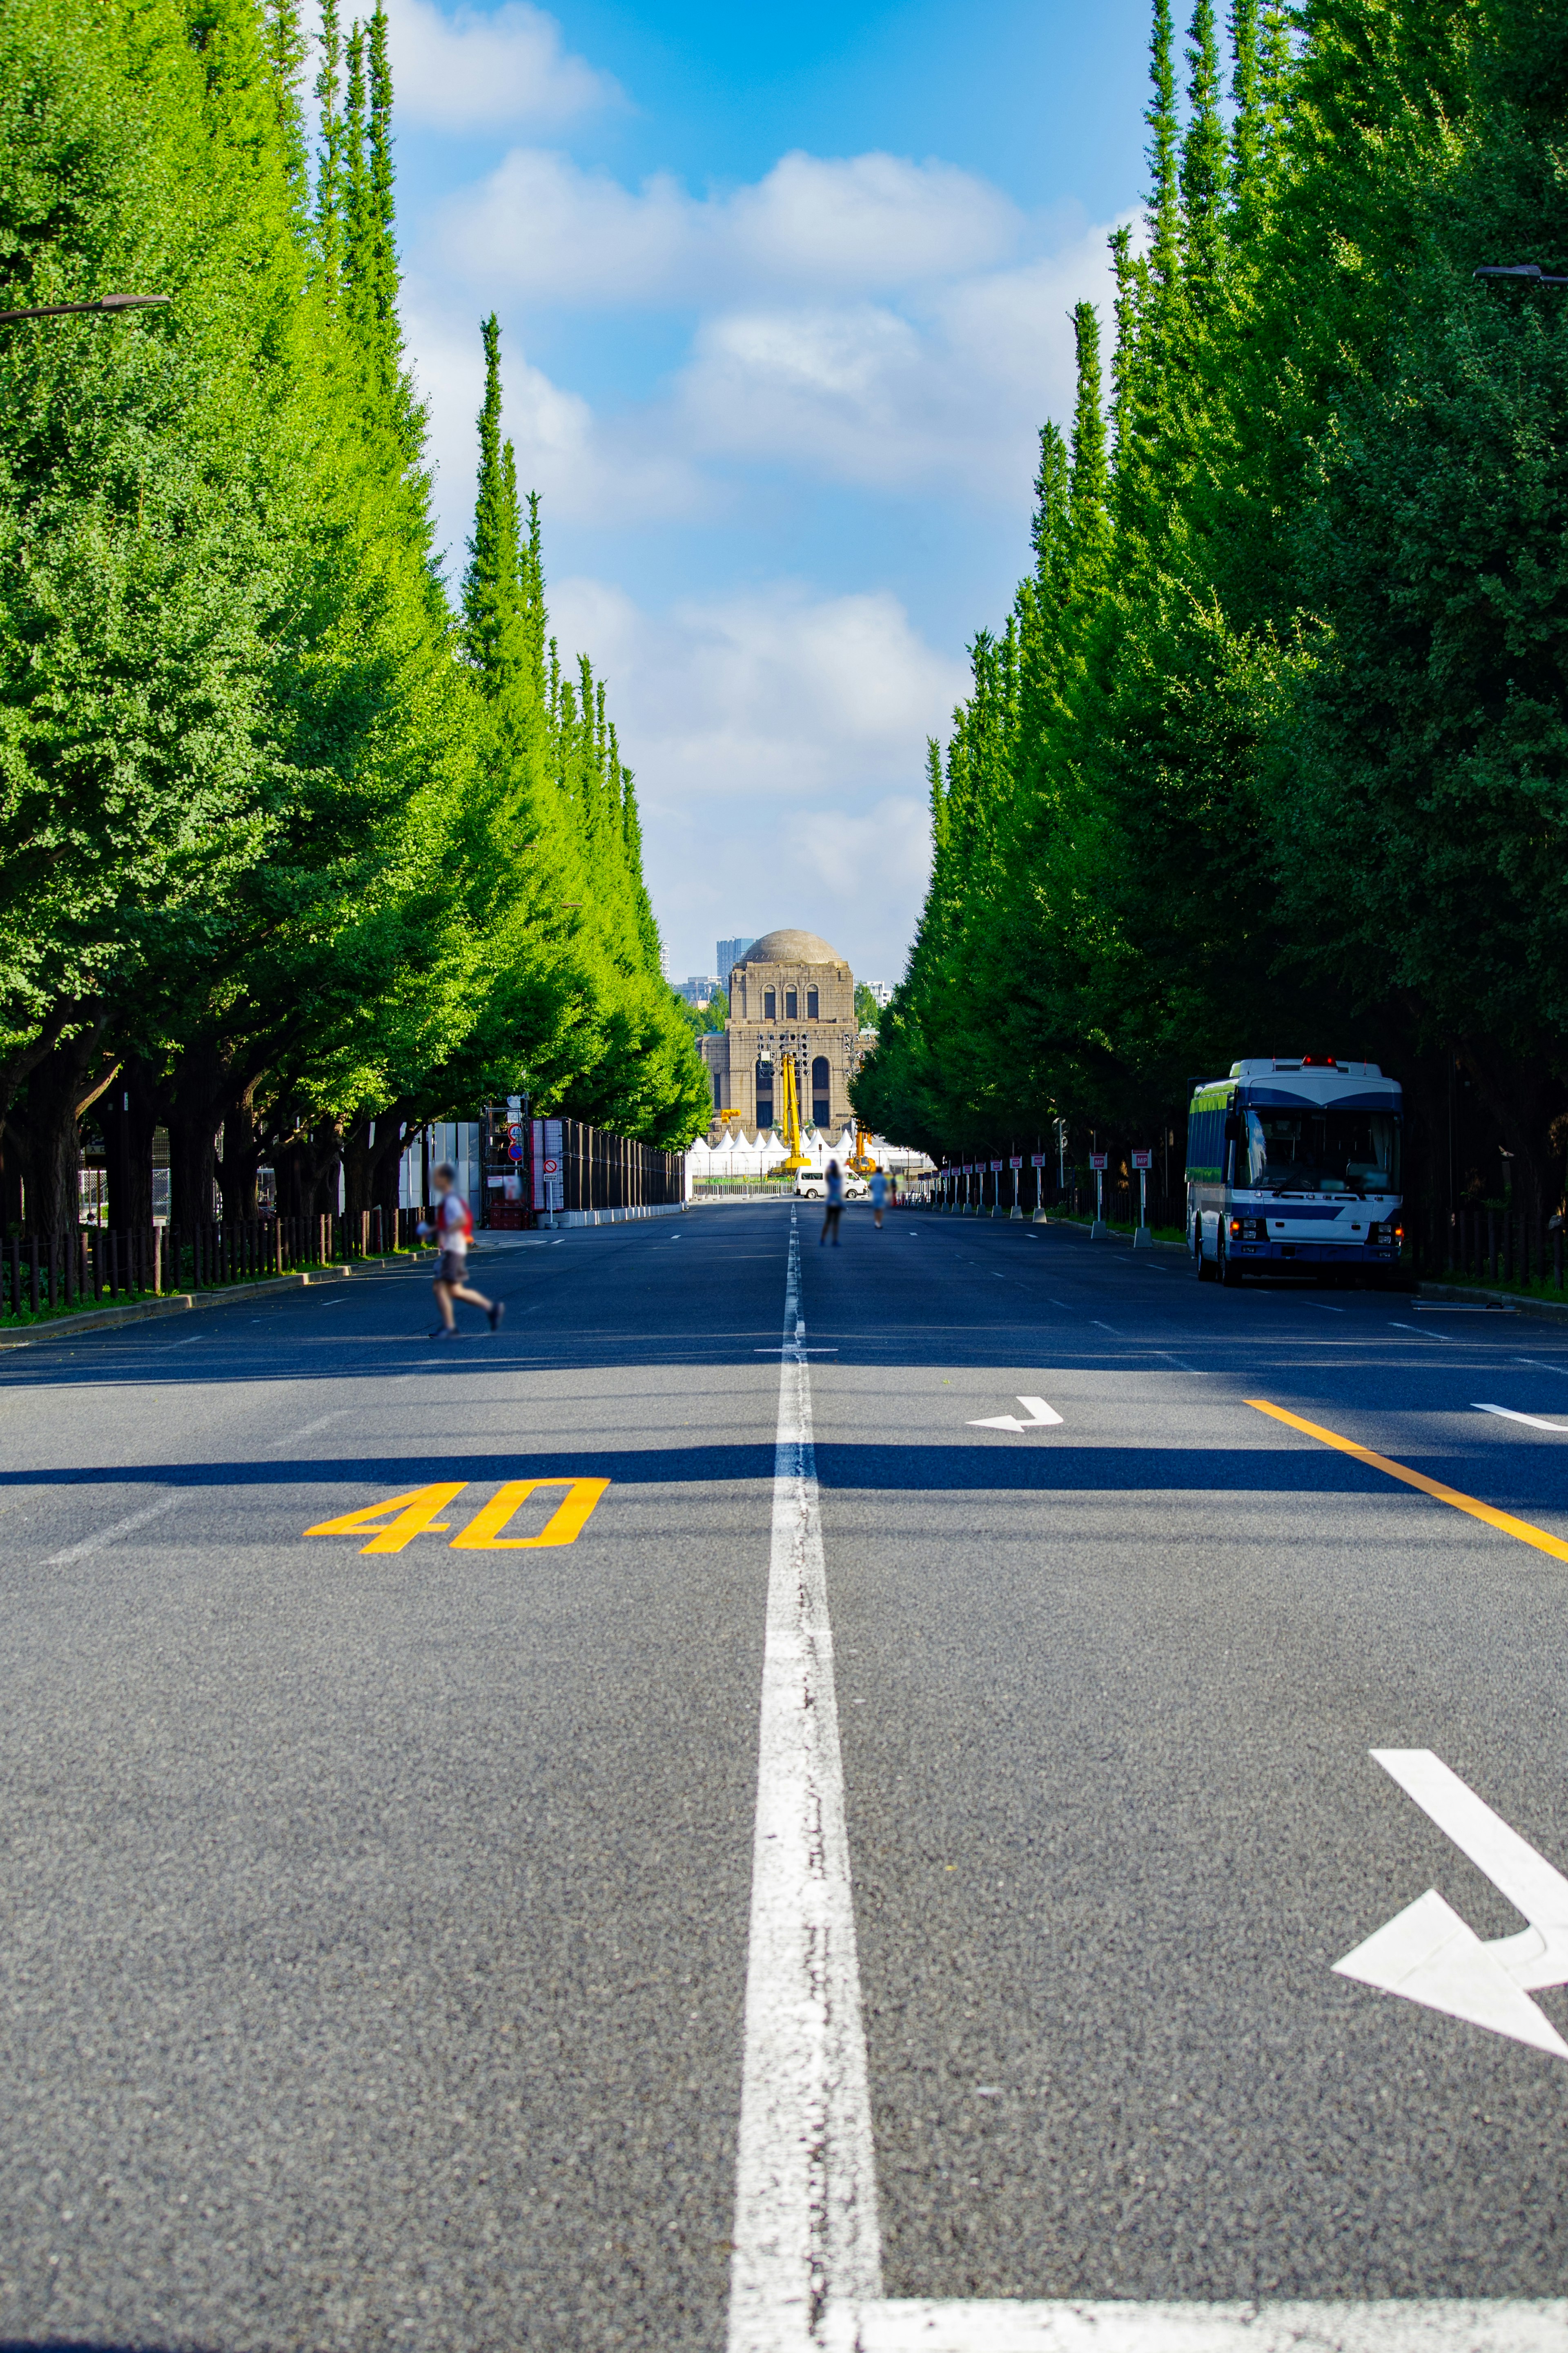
375 1929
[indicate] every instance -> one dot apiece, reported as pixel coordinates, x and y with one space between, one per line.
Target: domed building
790 996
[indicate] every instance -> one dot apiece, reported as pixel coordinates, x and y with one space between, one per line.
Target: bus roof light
1319 1062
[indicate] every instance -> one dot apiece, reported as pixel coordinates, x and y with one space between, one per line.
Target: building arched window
821 1091
792 1005
770 1005
811 1005
765 1094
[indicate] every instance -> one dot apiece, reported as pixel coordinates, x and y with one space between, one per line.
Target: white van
811 1185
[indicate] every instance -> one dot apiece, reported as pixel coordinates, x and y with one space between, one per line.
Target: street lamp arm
1529 271
109 302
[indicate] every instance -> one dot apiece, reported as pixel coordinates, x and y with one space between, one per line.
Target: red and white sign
1100 1159
549 1168
1142 1160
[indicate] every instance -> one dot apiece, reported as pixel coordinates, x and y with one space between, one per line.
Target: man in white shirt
453 1225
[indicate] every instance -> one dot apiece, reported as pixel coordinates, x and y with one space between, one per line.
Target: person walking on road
835 1209
453 1225
879 1195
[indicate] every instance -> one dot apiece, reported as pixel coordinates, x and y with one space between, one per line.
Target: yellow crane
860 1159
794 1157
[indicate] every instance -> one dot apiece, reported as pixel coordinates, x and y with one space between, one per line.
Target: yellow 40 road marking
1523 1529
415 1516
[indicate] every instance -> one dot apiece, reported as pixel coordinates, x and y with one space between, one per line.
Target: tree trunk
291 1168
326 1157
1521 1098
11 1157
356 1159
128 1112
15 1070
242 1149
61 1086
386 1159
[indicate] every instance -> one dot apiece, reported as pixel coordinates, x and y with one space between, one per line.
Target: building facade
791 997
729 955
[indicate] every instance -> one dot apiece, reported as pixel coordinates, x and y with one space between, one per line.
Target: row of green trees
289 850
1271 755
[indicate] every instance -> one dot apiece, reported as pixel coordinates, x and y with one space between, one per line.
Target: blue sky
784 300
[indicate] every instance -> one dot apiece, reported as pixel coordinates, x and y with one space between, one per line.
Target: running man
879 1195
835 1209
453 1225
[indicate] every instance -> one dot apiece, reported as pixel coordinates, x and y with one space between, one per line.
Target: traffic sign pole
1143 1239
1098 1161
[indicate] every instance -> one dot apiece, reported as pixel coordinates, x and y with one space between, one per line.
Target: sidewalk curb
1073 1225
175 1303
1521 1303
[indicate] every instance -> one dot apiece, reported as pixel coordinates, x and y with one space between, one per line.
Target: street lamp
109 302
1530 272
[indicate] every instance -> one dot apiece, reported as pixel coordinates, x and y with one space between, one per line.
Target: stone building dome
791 947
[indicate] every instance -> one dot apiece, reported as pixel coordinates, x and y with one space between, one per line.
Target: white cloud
779 744
542 226
858 321
588 470
477 68
951 389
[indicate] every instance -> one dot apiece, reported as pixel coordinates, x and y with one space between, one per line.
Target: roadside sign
996 1165
1142 1160
516 1152
549 1168
1100 1159
1017 1161
1037 1159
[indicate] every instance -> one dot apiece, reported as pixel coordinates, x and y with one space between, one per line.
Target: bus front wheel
1205 1272
1225 1266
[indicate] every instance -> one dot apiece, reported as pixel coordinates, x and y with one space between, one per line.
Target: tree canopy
1270 754
289 848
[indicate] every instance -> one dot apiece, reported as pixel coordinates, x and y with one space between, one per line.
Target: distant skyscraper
730 953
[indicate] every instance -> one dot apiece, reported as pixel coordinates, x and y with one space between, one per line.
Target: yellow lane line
1522 1529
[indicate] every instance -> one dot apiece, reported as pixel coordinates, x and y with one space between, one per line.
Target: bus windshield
1302 1150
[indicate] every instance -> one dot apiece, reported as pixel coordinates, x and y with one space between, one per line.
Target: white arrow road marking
1428 1953
1042 1417
805 2275
1532 1420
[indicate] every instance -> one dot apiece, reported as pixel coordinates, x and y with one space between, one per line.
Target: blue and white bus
1295 1165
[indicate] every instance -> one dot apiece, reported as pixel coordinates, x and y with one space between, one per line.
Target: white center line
805 2232
805 2272
118 1528
1446 1337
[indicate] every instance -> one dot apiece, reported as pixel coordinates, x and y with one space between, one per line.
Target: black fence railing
573 1166
987 1193
98 1264
1502 1247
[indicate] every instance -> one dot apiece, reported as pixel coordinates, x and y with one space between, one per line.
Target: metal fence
589 1168
1502 1246
992 1193
98 1264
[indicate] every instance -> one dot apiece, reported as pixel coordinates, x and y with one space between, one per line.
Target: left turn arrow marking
1428 1954
1042 1417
